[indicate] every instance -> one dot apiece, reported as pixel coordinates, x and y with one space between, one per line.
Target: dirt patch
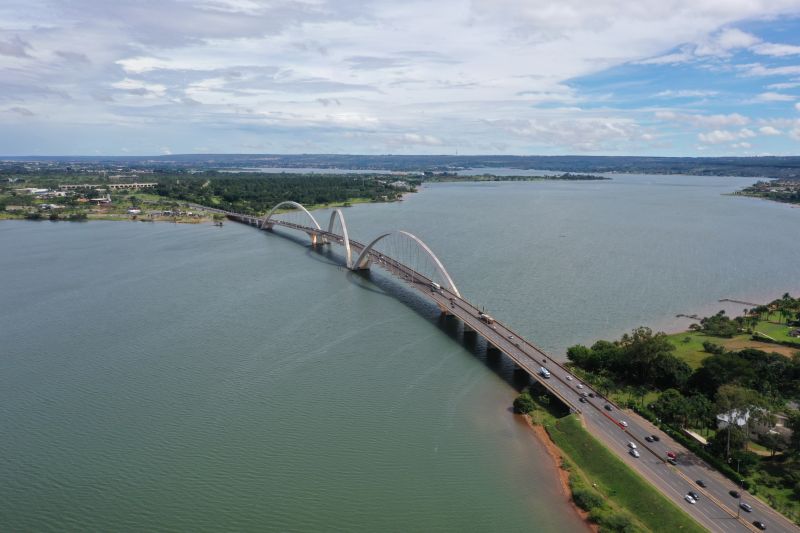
563 475
741 344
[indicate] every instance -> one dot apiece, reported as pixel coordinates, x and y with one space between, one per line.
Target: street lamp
741 486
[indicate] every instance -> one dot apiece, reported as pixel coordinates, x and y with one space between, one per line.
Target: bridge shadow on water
379 282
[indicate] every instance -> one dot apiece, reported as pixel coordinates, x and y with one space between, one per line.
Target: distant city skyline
677 78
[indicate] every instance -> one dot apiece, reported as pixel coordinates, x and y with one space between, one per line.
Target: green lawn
616 480
779 332
692 351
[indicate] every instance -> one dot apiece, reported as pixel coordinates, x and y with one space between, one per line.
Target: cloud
757 69
769 130
717 137
775 49
302 73
581 133
723 136
774 97
742 145
686 93
732 119
415 139
23 111
797 106
725 41
15 47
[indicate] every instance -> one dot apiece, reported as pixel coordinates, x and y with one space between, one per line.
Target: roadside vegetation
615 497
723 389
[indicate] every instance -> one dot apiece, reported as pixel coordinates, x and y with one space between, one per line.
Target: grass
779 332
616 480
771 482
692 351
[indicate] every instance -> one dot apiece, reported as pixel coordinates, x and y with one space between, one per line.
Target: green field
615 480
689 344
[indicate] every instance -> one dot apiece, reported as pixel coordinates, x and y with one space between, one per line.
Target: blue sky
146 77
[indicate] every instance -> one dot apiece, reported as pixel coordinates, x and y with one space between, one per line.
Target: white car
623 423
690 499
580 385
632 445
569 378
634 453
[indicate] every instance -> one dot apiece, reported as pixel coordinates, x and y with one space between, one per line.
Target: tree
794 424
671 407
524 403
735 402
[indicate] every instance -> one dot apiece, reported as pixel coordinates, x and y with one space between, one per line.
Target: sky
607 77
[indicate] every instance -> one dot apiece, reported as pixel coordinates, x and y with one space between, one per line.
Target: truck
485 318
544 372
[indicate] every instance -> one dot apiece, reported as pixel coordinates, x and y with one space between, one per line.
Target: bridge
446 296
617 429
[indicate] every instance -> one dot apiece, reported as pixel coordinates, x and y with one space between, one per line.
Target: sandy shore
563 476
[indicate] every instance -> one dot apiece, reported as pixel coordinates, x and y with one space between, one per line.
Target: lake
179 377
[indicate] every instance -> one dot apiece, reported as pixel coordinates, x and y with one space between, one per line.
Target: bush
586 499
710 347
524 404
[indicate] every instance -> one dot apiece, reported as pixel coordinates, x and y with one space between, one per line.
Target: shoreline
555 453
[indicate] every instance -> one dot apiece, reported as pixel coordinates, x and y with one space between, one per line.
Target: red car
671 455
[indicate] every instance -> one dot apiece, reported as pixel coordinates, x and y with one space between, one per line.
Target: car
694 495
607 407
747 507
672 455
569 378
701 483
580 385
582 399
632 445
583 395
760 525
648 438
634 453
623 423
689 499
591 395
655 438
672 461
734 493
511 337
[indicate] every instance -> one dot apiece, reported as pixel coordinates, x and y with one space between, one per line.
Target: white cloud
775 49
774 97
706 121
725 41
416 139
300 71
757 69
742 145
722 136
797 106
717 137
769 130
795 133
686 93
784 85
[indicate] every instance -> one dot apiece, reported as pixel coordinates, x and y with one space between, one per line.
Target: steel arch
265 222
345 236
363 259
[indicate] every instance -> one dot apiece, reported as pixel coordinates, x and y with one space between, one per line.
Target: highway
716 509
